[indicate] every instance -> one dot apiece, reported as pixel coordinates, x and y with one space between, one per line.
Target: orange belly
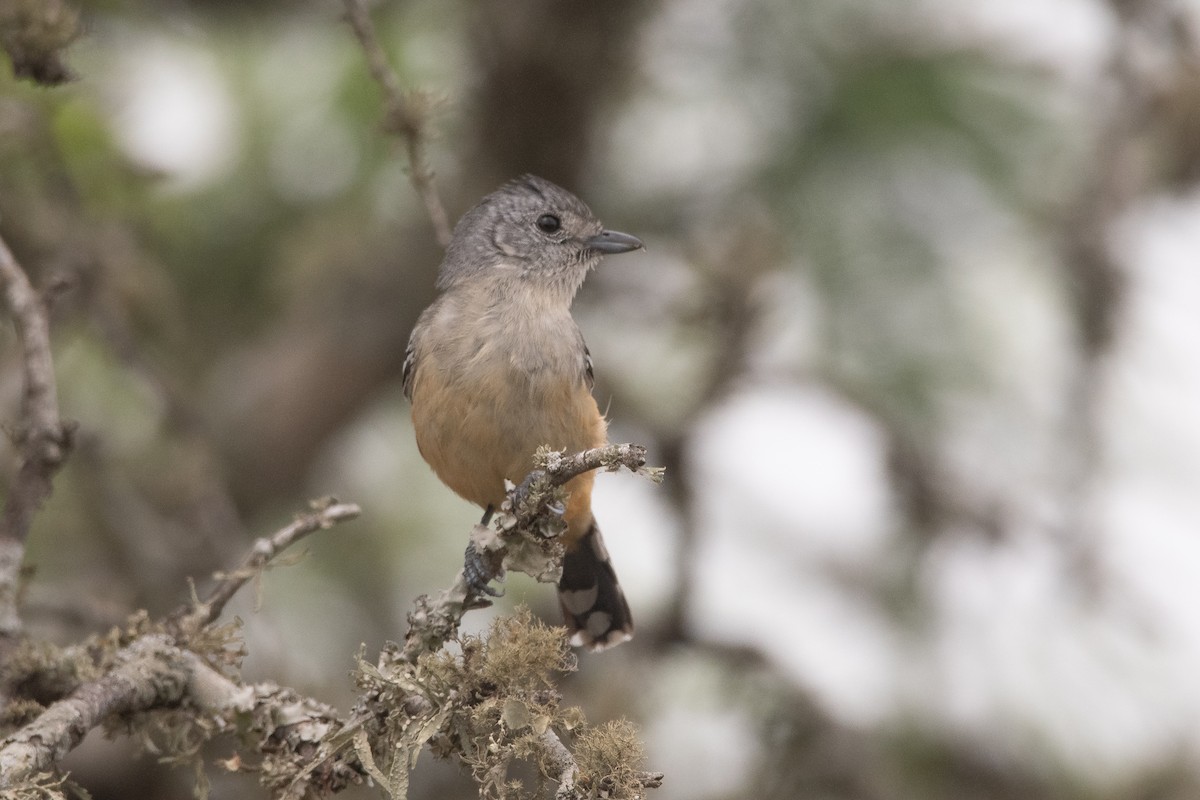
474 441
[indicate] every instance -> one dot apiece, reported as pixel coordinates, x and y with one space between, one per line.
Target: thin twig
41 438
406 115
190 618
561 467
556 468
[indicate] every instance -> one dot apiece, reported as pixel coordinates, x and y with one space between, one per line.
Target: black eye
548 223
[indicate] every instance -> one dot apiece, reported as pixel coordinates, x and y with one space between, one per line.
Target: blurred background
916 334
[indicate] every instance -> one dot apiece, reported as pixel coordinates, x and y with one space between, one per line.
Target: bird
496 367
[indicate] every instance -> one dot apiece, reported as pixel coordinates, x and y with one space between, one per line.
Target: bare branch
189 619
406 114
40 436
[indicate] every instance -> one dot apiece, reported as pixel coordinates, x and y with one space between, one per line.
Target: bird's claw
479 572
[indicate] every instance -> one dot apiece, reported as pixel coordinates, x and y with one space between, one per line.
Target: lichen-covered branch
40 436
524 537
156 671
490 705
148 674
152 673
407 113
560 467
529 501
560 763
35 33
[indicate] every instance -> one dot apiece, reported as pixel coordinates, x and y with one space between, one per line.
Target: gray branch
154 672
40 436
435 620
189 619
315 747
407 114
149 674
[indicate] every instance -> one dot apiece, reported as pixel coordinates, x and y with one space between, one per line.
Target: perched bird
496 367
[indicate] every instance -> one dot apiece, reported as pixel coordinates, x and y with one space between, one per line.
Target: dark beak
612 242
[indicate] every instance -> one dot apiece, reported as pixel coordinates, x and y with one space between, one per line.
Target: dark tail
593 604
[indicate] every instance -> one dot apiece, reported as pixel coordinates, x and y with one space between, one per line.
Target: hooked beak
613 242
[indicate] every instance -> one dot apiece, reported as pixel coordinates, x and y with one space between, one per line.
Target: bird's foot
482 564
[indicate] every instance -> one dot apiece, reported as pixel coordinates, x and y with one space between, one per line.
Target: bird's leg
480 568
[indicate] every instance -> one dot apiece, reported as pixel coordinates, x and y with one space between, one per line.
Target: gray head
530 230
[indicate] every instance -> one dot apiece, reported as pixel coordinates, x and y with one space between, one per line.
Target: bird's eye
548 223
